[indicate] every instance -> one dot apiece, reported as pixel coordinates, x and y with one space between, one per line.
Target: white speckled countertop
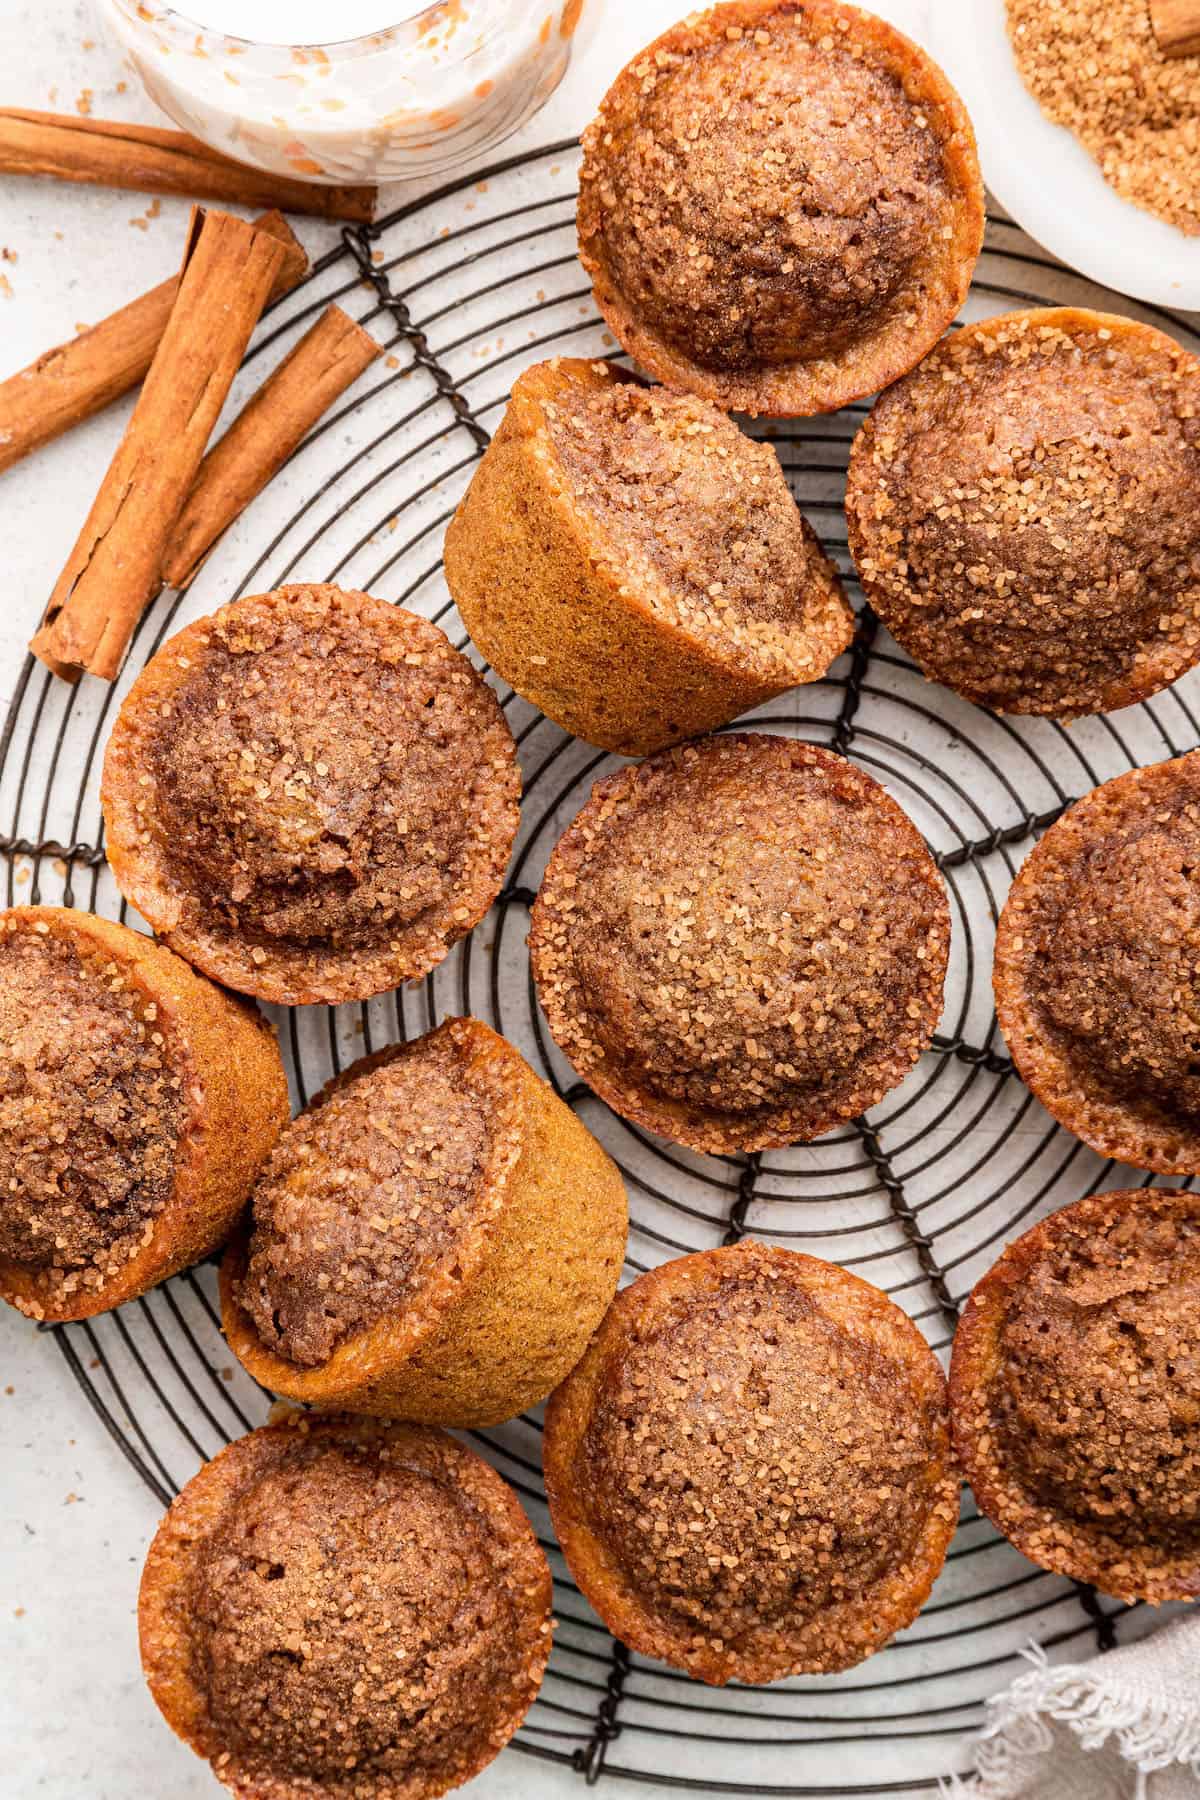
75 1720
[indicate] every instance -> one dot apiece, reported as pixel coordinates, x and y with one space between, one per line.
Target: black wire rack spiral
464 288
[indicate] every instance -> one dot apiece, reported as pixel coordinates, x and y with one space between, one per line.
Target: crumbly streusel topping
702 523
368 1193
1023 512
93 1099
776 196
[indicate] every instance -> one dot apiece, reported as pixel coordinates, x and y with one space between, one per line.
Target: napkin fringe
1150 1734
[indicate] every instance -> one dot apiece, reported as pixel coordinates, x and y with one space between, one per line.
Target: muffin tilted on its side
780 205
634 565
311 795
336 1609
435 1238
741 943
1075 1393
750 1471
1097 968
137 1105
1024 512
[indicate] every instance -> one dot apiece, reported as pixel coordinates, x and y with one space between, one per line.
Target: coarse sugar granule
1095 67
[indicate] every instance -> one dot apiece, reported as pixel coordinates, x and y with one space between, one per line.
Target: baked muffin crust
741 942
1023 508
749 1472
1075 1389
137 1103
635 565
435 1237
1096 981
339 1610
780 205
311 795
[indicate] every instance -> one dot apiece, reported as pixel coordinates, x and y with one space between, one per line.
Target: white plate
1042 175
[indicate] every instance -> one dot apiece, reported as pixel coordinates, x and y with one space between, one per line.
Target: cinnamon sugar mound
1097 954
92 1106
741 942
312 794
1077 1393
368 1193
702 524
1023 512
753 1462
1095 67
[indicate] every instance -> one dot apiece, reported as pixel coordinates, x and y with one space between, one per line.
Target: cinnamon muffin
741 943
1097 969
311 795
1023 512
435 1237
749 1472
634 565
780 205
137 1103
335 1609
1075 1393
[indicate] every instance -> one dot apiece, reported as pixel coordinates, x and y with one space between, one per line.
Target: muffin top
311 795
351 1610
1076 1393
750 1470
1023 512
780 204
377 1196
93 1102
694 518
741 942
1097 968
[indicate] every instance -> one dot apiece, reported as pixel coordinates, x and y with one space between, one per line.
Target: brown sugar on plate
335 1609
311 795
137 1104
750 1471
1075 1393
435 1238
636 566
1096 67
741 943
780 205
1097 968
1023 512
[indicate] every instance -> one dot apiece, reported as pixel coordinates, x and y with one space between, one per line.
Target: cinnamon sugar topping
93 1099
741 942
368 1193
1023 510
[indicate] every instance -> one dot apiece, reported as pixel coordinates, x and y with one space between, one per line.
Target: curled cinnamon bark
73 381
115 567
258 443
110 153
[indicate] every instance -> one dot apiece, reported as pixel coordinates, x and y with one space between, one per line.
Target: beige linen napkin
1123 1727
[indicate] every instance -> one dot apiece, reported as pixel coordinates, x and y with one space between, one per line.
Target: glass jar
413 98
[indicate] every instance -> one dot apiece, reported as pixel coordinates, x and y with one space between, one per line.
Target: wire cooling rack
465 288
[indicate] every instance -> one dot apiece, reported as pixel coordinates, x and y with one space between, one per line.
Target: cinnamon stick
113 571
1176 26
107 153
68 384
262 437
